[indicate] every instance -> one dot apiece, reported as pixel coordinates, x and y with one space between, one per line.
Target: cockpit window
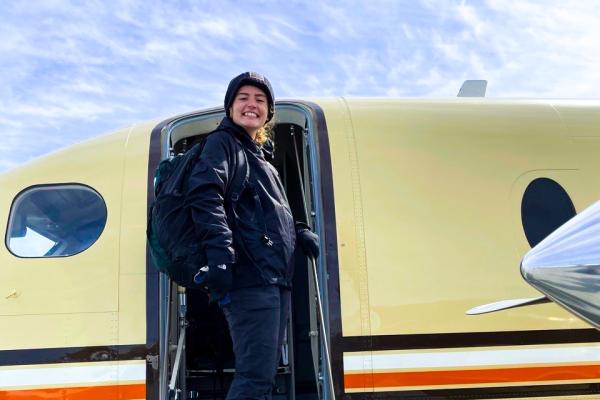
55 220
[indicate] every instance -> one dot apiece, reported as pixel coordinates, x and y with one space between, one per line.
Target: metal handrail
316 276
323 331
172 391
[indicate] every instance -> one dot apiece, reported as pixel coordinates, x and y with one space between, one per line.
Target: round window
545 207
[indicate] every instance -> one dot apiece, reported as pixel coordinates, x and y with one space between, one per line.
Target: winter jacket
259 241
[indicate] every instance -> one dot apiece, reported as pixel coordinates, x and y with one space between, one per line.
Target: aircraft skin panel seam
121 202
359 227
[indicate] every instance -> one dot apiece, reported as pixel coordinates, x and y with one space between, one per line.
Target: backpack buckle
267 240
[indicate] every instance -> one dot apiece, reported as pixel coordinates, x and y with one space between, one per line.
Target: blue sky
70 70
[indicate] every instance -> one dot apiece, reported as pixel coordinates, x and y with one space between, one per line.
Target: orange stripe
116 392
504 375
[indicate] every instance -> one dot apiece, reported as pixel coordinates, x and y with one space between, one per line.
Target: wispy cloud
84 68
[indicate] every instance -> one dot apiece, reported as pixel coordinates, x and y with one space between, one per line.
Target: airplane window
55 221
545 207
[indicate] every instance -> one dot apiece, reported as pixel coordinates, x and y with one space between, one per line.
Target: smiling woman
209 361
249 109
248 242
250 106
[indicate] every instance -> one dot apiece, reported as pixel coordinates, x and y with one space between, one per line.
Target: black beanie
253 79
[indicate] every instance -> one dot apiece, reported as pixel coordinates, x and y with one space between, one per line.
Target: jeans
257 319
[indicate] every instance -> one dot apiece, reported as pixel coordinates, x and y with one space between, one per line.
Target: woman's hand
307 240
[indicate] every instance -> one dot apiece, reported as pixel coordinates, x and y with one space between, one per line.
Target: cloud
85 68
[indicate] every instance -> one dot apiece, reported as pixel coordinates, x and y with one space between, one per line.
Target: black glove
307 240
219 281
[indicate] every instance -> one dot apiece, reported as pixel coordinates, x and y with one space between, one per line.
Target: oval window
545 207
55 220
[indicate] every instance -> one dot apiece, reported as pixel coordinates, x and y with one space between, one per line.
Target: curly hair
264 133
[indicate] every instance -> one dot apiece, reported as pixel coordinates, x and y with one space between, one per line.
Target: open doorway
206 366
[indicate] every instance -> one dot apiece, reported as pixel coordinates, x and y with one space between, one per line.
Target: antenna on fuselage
473 88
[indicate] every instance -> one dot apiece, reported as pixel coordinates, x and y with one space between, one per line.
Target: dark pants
257 318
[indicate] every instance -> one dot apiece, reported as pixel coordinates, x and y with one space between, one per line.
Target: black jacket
240 241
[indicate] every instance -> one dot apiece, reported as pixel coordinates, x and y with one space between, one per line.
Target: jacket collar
268 150
228 125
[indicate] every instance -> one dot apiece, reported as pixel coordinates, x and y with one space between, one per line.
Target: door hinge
153 360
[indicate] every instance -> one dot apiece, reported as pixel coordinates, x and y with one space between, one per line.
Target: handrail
316 275
323 331
172 391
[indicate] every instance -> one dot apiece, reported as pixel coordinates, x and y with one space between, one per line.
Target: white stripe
65 374
471 358
132 372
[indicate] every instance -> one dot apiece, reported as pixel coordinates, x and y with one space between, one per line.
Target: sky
71 70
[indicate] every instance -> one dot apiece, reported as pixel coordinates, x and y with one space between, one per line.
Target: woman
249 252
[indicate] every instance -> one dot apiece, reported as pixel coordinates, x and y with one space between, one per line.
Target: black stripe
482 393
74 354
329 244
152 275
470 339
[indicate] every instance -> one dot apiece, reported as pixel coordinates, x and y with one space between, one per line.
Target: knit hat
254 79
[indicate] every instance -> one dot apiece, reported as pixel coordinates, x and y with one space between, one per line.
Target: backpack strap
237 187
240 176
240 181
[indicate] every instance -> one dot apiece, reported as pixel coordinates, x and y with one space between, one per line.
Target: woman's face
250 109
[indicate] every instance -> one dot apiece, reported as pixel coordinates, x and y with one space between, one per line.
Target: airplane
425 209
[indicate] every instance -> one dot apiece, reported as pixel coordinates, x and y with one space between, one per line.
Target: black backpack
174 246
